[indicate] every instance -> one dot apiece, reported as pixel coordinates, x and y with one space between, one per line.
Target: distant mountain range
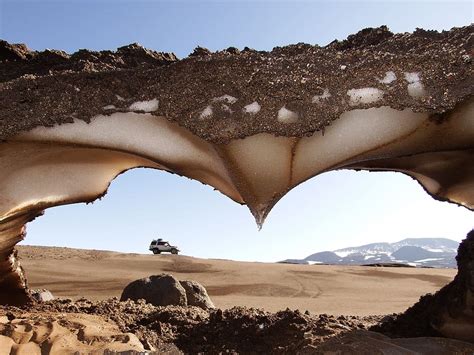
420 252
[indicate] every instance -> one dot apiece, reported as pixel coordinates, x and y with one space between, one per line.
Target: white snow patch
415 87
364 96
428 259
377 252
342 254
109 107
343 67
226 108
287 116
207 112
435 250
120 98
318 98
146 106
252 108
225 98
389 78
412 77
367 257
310 262
416 90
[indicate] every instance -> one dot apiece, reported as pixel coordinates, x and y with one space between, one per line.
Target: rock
42 295
13 52
446 313
197 295
158 290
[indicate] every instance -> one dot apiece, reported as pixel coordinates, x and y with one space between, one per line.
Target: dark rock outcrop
166 290
42 295
159 290
197 295
449 312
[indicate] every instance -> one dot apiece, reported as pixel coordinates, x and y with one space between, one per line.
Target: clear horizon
334 210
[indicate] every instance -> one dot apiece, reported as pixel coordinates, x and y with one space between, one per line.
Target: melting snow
415 87
252 108
226 108
364 96
389 78
412 77
318 98
342 254
226 98
428 259
146 106
287 116
207 112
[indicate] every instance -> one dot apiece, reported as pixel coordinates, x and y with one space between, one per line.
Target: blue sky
334 210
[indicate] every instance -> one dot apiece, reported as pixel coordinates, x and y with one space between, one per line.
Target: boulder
158 290
197 295
42 295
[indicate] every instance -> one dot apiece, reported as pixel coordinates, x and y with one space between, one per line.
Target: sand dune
328 289
61 333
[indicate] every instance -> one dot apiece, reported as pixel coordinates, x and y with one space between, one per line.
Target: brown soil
194 330
88 326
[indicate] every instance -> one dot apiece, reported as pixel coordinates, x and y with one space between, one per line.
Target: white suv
158 246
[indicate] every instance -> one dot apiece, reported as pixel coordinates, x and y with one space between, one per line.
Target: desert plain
260 307
330 289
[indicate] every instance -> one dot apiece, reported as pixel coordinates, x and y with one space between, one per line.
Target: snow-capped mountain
427 252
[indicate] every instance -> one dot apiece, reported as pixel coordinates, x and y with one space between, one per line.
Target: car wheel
156 251
174 251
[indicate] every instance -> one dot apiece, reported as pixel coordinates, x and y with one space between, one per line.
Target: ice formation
364 96
320 98
225 98
389 78
246 123
207 112
286 116
145 106
415 87
252 108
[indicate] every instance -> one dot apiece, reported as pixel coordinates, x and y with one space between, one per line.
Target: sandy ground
347 290
357 300
59 333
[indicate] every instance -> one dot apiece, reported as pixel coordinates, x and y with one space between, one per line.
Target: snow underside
76 162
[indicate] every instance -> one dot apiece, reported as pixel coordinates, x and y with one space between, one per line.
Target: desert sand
332 308
338 290
56 333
